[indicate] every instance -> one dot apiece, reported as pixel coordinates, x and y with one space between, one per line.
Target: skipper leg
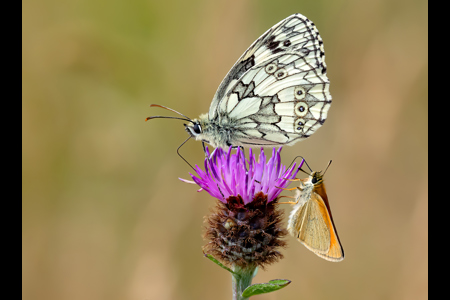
289 202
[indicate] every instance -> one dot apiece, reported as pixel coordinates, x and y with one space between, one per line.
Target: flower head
245 229
229 174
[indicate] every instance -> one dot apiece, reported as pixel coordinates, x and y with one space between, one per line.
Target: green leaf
262 288
219 263
282 282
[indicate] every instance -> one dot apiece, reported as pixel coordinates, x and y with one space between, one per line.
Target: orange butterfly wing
316 229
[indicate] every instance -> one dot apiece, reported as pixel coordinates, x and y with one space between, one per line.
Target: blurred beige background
104 215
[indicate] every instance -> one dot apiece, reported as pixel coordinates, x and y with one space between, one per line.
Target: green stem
241 280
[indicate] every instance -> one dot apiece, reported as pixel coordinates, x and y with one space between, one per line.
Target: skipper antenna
329 163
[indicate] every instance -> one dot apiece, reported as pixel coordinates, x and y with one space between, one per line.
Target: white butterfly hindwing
277 102
278 91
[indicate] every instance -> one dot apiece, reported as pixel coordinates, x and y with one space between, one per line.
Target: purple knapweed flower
245 228
228 174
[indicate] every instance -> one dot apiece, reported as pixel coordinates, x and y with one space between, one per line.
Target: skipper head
317 177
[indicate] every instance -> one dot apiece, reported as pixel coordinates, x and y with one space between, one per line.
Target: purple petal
228 174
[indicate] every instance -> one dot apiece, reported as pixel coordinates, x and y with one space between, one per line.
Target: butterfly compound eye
197 129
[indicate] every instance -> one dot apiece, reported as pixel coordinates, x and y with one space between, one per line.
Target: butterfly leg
204 148
287 179
178 152
285 188
301 186
295 179
236 147
289 202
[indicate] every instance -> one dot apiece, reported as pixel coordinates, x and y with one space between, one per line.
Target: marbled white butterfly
276 94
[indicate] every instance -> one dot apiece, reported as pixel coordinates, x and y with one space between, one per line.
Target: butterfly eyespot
299 93
287 43
304 51
301 109
299 125
280 74
271 68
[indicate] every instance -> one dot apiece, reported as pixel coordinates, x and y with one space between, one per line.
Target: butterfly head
194 128
197 128
316 177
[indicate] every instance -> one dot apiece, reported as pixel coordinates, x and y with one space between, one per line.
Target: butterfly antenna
329 163
304 160
165 117
204 148
305 172
178 152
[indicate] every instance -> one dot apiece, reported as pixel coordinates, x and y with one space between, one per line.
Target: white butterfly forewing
294 34
277 93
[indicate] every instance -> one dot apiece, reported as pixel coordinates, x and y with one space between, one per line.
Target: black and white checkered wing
278 91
